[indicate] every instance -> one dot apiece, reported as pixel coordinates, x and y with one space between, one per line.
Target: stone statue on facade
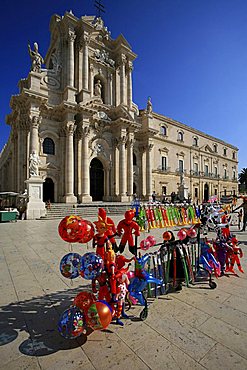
97 89
36 58
34 162
149 106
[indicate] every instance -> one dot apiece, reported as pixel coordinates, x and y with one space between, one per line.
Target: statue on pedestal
34 162
97 89
149 106
36 58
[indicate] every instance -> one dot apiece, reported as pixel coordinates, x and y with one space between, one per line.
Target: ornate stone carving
35 121
36 58
70 128
103 57
103 116
149 106
71 35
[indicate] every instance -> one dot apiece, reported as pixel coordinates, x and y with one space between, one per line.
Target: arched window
163 130
180 136
215 148
195 141
224 152
48 146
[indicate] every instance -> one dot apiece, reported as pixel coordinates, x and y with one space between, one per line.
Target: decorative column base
70 198
85 198
35 206
123 198
83 95
69 94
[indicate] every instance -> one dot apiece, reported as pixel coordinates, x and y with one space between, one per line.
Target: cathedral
75 127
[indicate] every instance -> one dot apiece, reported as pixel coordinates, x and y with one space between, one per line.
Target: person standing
240 217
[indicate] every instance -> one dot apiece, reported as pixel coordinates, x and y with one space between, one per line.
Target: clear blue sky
192 57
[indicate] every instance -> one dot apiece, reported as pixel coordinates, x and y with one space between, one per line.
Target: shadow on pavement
38 317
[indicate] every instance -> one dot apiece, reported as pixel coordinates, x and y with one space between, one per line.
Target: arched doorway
96 180
48 190
206 193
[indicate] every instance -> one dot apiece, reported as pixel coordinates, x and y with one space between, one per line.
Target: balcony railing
179 171
164 169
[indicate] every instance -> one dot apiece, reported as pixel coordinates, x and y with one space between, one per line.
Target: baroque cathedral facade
76 118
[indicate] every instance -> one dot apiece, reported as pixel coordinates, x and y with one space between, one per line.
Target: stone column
79 163
122 166
129 91
80 46
85 61
85 168
70 68
149 170
142 185
130 145
34 134
115 167
69 164
122 80
91 82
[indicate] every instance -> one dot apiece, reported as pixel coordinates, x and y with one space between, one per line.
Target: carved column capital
71 35
70 128
130 66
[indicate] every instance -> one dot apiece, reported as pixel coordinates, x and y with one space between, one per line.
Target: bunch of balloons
85 312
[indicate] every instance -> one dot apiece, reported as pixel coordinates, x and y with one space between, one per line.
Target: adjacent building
75 125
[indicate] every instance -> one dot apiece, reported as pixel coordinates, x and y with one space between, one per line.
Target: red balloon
99 315
87 232
84 300
167 235
192 233
70 228
151 239
181 234
145 244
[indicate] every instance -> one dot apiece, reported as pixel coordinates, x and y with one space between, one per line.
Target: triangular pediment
122 40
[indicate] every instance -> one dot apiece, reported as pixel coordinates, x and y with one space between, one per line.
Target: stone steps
60 210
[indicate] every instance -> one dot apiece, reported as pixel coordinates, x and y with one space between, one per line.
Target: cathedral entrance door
206 192
96 180
48 190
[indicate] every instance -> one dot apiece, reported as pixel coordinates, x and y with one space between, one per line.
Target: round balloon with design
91 265
71 228
72 323
99 315
70 265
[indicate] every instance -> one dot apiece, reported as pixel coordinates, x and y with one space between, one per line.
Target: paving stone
226 334
222 358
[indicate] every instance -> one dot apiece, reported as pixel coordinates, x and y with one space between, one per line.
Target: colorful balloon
99 315
70 265
84 300
69 228
91 265
72 323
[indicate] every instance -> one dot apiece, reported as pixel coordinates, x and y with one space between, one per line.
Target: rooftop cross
100 7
